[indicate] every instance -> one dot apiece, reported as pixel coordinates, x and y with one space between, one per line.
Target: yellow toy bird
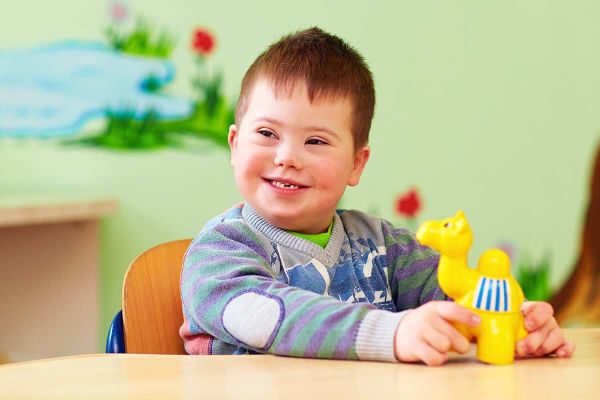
490 290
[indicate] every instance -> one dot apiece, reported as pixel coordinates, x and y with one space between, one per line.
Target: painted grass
144 40
534 278
128 130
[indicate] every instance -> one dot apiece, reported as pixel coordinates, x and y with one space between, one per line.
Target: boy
286 273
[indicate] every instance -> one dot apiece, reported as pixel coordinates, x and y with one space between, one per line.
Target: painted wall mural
55 90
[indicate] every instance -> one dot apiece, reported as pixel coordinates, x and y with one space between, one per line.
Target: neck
450 270
461 259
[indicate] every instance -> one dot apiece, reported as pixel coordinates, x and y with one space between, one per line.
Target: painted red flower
203 42
408 205
118 11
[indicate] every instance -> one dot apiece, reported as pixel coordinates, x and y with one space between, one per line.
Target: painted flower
408 204
118 11
203 42
508 248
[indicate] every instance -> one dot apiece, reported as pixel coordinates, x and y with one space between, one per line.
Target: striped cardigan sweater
248 286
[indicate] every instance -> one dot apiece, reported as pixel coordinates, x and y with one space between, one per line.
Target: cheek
249 167
331 179
246 179
334 174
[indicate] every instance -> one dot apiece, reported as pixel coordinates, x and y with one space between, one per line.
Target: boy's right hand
426 333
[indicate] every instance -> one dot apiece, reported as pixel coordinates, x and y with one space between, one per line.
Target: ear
232 139
461 221
360 161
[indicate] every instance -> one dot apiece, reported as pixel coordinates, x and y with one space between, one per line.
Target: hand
545 336
426 333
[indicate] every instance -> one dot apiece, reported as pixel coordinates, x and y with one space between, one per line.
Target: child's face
293 158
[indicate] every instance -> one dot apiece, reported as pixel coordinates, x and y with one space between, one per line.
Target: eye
447 225
315 141
266 133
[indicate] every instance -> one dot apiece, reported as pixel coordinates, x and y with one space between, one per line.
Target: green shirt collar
320 239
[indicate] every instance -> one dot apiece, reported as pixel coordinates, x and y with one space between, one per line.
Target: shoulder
231 223
359 224
228 232
229 216
356 221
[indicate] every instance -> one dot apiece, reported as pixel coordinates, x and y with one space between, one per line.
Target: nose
288 156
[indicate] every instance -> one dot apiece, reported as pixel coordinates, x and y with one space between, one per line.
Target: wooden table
131 376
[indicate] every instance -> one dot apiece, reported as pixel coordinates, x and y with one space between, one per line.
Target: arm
426 333
230 291
413 269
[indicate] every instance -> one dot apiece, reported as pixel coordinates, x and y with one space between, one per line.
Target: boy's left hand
545 336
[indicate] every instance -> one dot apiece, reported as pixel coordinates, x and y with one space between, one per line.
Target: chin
288 222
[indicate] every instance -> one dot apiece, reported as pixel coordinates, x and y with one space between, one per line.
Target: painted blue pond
53 90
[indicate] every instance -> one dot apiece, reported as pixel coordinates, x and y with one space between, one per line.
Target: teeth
282 185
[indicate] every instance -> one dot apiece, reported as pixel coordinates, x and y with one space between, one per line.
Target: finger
553 341
458 342
537 314
438 341
431 356
566 350
455 313
532 342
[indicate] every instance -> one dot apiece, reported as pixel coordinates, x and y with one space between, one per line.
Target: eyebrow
308 128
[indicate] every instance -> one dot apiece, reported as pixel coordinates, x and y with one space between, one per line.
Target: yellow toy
490 290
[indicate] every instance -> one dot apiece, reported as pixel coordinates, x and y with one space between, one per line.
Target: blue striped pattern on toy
492 295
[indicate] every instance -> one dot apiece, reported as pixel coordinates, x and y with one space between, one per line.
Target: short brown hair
329 67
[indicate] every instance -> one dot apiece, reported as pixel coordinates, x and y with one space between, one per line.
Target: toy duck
490 290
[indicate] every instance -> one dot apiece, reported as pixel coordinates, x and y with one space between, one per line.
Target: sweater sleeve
230 291
413 269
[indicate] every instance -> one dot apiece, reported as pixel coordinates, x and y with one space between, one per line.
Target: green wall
490 106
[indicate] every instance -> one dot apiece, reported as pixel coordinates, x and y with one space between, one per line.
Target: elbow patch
253 317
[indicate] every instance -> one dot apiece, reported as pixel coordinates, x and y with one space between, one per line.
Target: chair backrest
151 301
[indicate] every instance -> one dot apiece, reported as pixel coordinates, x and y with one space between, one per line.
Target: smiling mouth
284 185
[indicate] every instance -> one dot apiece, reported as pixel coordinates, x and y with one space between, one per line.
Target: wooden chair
151 314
